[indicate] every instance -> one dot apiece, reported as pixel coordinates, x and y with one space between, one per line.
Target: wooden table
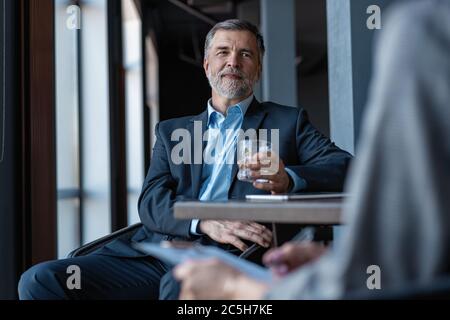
311 212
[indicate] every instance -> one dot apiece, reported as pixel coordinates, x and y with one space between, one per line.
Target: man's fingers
254 237
263 155
257 229
260 175
256 166
263 186
274 187
235 241
258 226
233 231
239 244
265 233
252 229
253 226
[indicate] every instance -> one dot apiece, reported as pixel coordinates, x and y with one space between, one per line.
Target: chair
125 234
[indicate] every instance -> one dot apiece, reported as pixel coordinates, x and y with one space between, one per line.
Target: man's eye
221 53
246 55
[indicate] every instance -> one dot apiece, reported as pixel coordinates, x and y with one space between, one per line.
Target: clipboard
177 254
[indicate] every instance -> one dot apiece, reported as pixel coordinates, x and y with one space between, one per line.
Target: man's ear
206 66
259 72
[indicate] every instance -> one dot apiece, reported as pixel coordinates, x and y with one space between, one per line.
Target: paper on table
176 256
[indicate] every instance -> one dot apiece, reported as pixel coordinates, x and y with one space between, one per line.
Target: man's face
232 65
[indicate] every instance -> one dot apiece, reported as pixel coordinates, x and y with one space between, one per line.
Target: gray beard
230 88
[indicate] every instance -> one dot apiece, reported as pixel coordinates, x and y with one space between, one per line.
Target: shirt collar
242 105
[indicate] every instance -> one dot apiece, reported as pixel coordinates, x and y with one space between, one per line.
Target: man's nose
233 61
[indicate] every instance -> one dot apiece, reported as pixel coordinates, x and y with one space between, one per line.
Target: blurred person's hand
231 232
212 280
268 166
291 256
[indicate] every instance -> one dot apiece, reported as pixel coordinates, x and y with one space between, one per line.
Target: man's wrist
291 184
194 228
198 229
298 183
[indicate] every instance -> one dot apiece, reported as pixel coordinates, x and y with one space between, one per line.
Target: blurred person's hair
236 25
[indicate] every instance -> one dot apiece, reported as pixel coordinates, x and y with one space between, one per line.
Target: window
132 54
83 120
152 85
68 134
83 176
95 160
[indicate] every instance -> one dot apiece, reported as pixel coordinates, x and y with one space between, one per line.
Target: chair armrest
94 245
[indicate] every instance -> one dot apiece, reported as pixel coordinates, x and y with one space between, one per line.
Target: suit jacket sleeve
322 164
159 195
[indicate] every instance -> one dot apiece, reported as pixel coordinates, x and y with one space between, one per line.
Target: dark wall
28 167
184 89
179 37
2 76
10 181
312 70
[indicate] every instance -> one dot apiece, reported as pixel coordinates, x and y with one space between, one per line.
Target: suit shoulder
279 108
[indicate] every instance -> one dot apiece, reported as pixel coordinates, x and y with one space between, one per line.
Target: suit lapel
252 120
196 169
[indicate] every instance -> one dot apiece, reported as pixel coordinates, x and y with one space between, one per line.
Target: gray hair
236 25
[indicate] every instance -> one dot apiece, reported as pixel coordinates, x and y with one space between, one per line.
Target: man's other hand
268 166
231 232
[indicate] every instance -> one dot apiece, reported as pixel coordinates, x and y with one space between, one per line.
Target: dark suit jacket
303 149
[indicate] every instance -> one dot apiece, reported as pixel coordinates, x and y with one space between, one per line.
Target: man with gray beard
306 161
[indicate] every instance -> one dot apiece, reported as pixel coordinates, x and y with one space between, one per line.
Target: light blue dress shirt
221 146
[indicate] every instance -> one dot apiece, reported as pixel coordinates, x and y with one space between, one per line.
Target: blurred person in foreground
399 215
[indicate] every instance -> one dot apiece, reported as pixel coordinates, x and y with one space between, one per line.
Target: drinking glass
247 148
